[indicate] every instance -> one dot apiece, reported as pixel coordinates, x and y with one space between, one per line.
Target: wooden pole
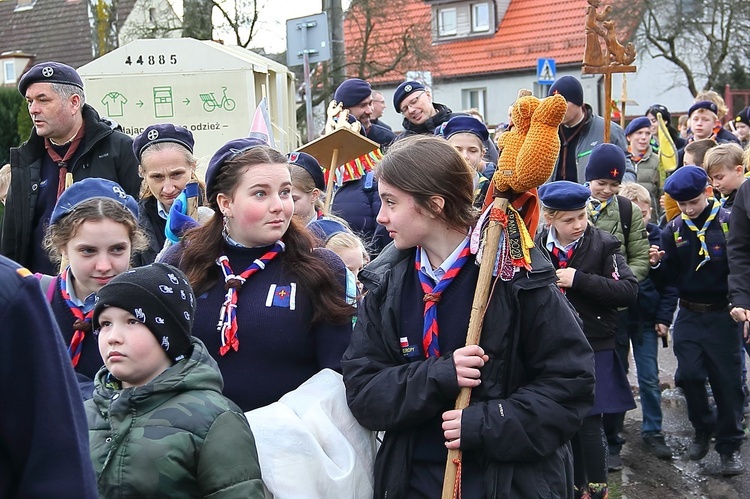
607 105
331 179
476 320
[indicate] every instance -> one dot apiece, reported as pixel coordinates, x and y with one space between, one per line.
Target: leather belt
702 308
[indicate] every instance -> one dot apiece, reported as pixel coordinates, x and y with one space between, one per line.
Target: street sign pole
308 98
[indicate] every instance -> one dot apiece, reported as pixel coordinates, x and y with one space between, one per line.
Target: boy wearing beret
704 123
158 423
355 95
69 141
645 160
742 127
692 255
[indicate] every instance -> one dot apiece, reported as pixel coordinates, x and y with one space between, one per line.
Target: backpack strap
47 282
626 216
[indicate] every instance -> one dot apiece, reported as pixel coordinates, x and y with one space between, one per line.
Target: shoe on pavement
614 463
699 446
655 444
731 464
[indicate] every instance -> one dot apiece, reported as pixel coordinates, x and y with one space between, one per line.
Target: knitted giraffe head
530 150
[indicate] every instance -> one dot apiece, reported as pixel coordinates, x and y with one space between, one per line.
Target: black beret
570 88
606 162
404 90
743 116
686 183
50 72
162 132
225 153
564 195
703 104
352 92
310 165
464 124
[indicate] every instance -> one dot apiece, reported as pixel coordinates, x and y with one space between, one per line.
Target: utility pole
335 73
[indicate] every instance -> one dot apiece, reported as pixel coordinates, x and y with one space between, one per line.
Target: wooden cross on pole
615 58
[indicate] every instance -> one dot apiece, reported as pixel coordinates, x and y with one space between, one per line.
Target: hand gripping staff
526 164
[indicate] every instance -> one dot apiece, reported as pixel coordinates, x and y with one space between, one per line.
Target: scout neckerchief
596 207
432 297
232 283
81 326
702 232
636 158
61 161
563 257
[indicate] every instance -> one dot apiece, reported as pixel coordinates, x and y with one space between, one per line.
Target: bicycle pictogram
210 103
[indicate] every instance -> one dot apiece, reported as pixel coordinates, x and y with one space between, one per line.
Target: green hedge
11 104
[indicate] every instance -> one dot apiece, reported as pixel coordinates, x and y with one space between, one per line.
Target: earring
225 228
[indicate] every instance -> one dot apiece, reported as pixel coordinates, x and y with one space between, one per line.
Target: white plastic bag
310 445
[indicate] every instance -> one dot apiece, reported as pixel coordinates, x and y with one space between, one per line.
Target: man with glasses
378 108
423 116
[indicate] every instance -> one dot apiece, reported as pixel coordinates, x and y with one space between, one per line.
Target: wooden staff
476 319
331 179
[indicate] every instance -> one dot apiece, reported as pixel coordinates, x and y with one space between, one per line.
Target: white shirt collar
85 305
437 273
161 210
553 242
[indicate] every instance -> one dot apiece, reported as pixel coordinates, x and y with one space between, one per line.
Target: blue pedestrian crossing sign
546 71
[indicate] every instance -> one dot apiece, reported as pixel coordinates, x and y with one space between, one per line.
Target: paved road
645 476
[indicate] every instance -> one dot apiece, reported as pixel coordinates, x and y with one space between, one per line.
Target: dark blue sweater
279 350
44 449
678 266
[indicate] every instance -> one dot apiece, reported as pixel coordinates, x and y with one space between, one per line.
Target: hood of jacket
198 372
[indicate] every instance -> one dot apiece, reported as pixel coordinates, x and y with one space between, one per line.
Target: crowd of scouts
142 333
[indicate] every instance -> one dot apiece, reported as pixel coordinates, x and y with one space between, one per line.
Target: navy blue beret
324 228
686 183
606 162
464 124
162 132
352 92
90 188
564 195
570 88
225 153
310 165
743 116
703 104
637 124
404 90
50 72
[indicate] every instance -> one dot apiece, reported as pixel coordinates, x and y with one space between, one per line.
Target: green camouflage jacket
176 436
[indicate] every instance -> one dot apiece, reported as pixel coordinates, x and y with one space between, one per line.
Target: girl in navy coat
596 280
531 374
280 303
94 228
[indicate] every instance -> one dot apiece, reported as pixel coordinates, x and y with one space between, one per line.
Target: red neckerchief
62 162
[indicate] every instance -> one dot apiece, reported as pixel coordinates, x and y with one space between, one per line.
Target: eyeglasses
412 103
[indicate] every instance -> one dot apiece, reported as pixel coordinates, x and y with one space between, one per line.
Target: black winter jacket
536 388
153 225
596 294
107 154
738 248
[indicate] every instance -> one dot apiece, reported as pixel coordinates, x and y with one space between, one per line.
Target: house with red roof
481 52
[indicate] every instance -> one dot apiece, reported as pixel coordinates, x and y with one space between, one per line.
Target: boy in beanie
158 423
621 218
693 256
